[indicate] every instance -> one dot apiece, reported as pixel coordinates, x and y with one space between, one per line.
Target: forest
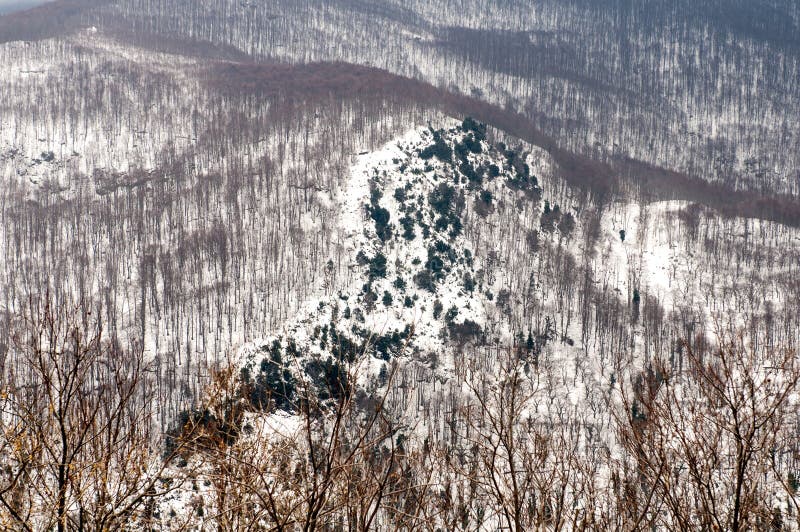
378 265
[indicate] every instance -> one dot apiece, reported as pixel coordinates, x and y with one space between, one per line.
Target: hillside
423 312
382 265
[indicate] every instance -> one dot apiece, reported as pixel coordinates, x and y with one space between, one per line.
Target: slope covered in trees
258 251
708 89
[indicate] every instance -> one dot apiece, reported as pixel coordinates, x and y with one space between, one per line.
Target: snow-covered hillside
259 270
436 230
414 280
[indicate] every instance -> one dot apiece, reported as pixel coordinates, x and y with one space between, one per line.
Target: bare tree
703 443
77 426
520 464
336 458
